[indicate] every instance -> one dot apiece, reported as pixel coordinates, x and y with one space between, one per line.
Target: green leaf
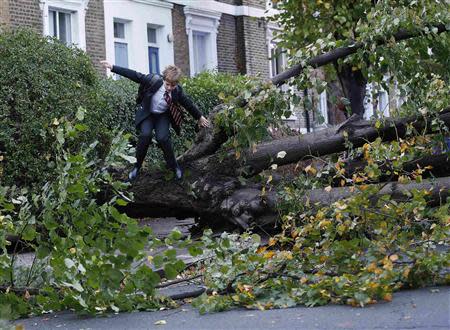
170 271
80 113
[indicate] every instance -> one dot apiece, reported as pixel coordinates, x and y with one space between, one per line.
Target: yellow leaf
261 249
150 259
406 272
388 297
286 255
388 265
160 322
303 280
393 257
263 191
272 241
268 255
311 170
238 154
324 223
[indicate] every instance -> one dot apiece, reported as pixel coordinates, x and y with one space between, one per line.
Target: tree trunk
213 189
438 166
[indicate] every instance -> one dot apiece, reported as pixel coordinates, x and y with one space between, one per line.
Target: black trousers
160 124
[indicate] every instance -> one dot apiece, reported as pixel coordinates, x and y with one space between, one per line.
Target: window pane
65 31
119 30
153 59
52 23
200 52
151 35
121 54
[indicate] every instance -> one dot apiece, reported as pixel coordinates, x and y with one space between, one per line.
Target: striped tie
175 111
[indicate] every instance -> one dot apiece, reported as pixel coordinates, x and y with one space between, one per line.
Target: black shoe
133 174
178 173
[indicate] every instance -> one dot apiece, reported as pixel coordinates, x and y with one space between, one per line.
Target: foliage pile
356 251
360 249
88 256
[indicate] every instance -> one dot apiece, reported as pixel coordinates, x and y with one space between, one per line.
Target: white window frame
77 9
157 44
125 40
57 26
200 20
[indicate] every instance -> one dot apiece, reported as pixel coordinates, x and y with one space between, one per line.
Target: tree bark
439 163
333 140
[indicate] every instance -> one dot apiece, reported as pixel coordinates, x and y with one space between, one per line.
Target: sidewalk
427 308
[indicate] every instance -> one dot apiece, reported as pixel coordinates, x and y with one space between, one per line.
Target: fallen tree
214 192
215 189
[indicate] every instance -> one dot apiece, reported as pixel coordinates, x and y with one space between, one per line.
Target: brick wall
240 43
256 53
180 39
95 33
25 13
4 14
227 45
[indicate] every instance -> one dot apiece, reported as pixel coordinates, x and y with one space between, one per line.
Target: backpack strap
144 88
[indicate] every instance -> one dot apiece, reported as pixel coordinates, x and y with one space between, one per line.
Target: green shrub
41 80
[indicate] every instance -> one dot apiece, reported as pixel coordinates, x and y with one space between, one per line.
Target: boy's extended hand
203 122
106 64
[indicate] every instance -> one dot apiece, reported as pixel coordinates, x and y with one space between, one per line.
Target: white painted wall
139 13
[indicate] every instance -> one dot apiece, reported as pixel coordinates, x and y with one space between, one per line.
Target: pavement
427 308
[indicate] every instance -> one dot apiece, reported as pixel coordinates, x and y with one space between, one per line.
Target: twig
166 284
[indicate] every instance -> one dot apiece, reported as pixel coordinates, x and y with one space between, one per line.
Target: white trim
206 21
225 8
157 3
78 10
323 107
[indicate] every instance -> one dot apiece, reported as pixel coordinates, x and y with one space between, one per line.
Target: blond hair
172 73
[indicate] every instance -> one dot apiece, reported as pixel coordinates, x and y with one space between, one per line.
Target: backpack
144 88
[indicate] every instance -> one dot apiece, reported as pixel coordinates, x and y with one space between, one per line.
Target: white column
323 106
368 103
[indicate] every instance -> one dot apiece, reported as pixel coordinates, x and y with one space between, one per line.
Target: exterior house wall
137 15
256 56
227 45
4 14
95 33
180 40
25 13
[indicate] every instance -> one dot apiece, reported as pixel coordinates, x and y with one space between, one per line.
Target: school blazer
148 85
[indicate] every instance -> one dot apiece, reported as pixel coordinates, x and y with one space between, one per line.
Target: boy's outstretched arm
127 73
